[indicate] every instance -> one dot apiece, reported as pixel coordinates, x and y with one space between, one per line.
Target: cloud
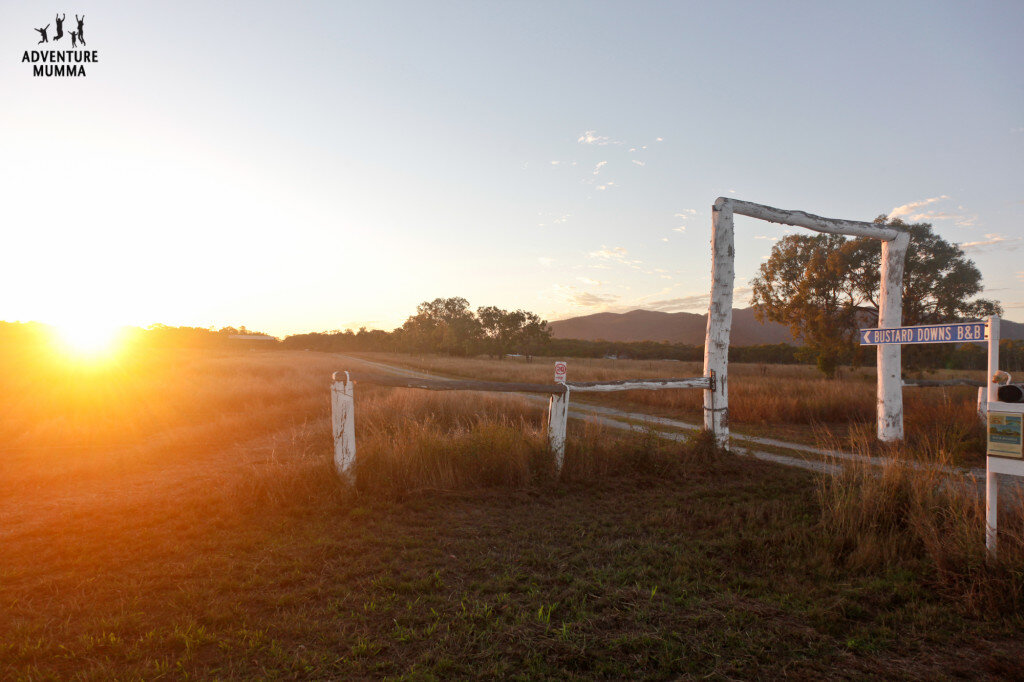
1020 275
586 299
992 240
685 213
664 239
659 139
692 302
681 228
913 212
589 299
637 162
555 163
763 236
545 261
616 254
591 282
605 185
591 137
599 166
907 209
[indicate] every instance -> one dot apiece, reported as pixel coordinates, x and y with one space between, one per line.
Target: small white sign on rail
560 372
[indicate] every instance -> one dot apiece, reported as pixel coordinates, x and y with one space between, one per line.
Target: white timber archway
723 275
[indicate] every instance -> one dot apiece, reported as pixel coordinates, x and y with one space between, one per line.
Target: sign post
560 368
1005 441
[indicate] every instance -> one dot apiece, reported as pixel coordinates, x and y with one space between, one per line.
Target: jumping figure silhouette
60 27
74 39
42 32
81 28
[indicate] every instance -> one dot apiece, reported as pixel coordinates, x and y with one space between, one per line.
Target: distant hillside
688 328
649 325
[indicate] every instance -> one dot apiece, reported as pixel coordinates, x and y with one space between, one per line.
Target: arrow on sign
865 336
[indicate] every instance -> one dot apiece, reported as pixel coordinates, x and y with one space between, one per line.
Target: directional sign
958 332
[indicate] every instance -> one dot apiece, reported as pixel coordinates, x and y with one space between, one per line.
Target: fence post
991 478
344 424
983 404
558 416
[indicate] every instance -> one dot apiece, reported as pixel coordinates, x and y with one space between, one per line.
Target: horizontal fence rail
448 384
638 384
343 403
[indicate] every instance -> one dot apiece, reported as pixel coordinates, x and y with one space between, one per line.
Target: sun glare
88 339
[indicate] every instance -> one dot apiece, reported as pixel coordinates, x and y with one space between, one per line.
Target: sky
311 166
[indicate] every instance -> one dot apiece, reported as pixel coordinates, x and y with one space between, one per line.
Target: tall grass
410 440
919 517
760 396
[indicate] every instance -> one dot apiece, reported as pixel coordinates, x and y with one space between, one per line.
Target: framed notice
1004 434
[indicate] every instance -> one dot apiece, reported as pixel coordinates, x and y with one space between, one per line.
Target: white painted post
991 510
344 425
890 314
991 477
558 417
983 404
716 344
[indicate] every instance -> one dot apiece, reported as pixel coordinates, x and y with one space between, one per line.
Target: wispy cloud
1020 275
916 211
599 166
591 282
606 185
545 261
764 236
586 299
692 302
681 228
589 299
638 162
591 137
659 139
615 254
1005 243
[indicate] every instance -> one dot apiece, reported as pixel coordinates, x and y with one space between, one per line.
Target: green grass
681 563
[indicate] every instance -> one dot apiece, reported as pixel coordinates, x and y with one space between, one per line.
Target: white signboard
559 372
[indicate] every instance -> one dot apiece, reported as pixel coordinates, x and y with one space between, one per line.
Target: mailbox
1011 393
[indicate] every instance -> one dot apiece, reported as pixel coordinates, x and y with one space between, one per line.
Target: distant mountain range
689 328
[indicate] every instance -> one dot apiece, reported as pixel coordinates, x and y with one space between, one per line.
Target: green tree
825 287
504 331
444 325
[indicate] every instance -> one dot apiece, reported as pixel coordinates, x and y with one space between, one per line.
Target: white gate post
991 477
344 424
890 314
983 403
716 342
558 417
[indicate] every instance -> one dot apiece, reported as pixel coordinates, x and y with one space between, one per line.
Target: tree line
446 326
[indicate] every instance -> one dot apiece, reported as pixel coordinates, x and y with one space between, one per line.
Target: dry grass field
175 515
783 401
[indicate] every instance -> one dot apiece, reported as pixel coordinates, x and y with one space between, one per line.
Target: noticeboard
1004 434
